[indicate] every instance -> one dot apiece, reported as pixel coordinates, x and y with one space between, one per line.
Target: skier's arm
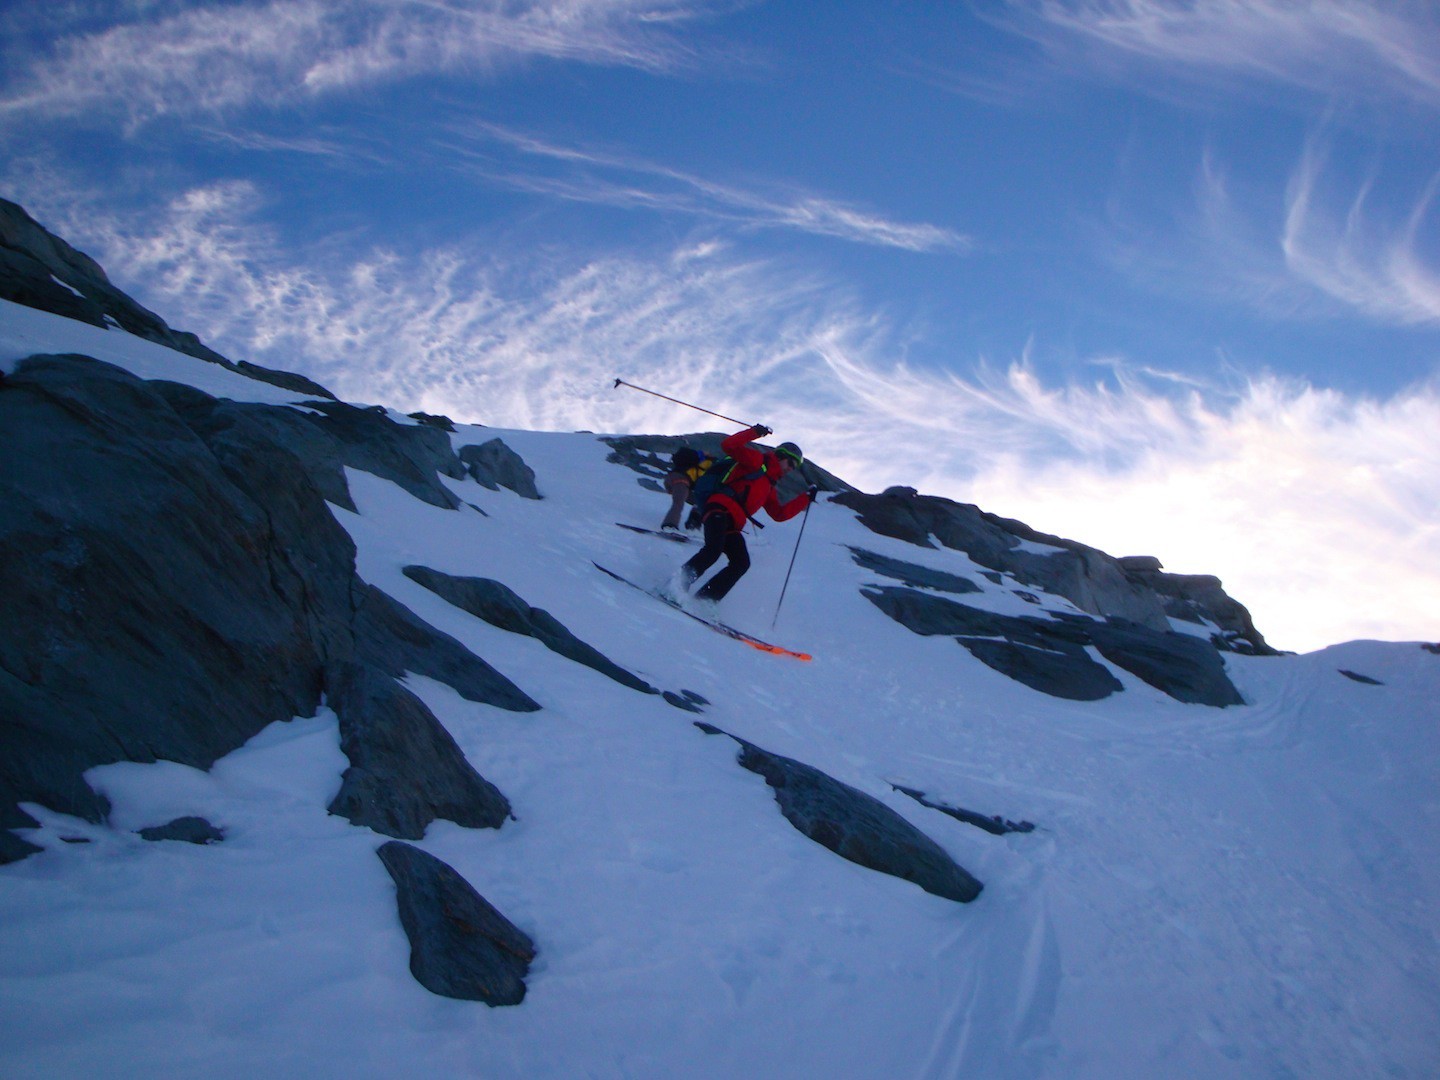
785 511
734 444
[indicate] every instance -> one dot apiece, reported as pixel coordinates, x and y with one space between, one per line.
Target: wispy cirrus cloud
1376 267
1363 48
1316 508
588 175
153 60
1322 247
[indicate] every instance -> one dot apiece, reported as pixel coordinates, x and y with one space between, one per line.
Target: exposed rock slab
190 830
42 271
326 437
160 620
855 826
405 769
390 636
1090 579
1049 655
460 945
501 606
184 581
991 823
912 574
494 465
1199 598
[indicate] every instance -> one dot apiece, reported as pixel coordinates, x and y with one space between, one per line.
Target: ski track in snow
1240 892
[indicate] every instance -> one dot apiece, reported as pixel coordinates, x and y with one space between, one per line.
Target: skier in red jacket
748 488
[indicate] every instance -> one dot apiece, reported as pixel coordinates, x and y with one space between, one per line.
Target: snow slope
1246 892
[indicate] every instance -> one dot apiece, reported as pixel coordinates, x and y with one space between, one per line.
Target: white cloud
1373 268
1318 249
1365 48
1316 509
156 60
613 179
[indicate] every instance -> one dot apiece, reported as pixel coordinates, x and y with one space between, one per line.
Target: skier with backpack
687 466
733 492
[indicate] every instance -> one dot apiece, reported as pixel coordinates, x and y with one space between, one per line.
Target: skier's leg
739 562
717 527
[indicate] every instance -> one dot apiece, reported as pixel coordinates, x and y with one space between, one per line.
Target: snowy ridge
1241 891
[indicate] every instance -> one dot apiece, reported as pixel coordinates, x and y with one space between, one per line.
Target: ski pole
677 401
803 521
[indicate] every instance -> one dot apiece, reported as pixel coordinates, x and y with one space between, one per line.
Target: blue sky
1161 277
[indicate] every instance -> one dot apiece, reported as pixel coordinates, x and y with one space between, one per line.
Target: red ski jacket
757 494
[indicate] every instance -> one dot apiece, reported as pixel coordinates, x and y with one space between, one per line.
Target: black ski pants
721 538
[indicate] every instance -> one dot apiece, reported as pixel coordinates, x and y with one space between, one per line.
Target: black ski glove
814 494
761 430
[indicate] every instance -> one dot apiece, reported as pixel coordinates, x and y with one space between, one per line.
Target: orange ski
718 627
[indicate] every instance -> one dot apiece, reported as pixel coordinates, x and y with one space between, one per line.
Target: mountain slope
1209 889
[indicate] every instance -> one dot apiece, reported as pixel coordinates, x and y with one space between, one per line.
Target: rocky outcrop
184 583
854 825
460 946
910 574
148 580
994 824
324 439
392 638
1200 599
1089 579
41 271
190 830
494 465
1050 655
405 769
502 607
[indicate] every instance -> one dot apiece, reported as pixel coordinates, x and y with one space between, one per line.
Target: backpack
724 475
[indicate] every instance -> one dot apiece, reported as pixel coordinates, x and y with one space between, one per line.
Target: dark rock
460 946
1432 647
1090 579
325 439
394 639
995 825
159 614
184 582
1357 677
408 455
405 769
1140 564
286 380
443 423
190 830
1048 655
1185 667
854 825
40 270
1064 671
911 574
500 606
494 465
1200 598
12 847
683 701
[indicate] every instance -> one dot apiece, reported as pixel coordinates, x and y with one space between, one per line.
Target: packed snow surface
1246 892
